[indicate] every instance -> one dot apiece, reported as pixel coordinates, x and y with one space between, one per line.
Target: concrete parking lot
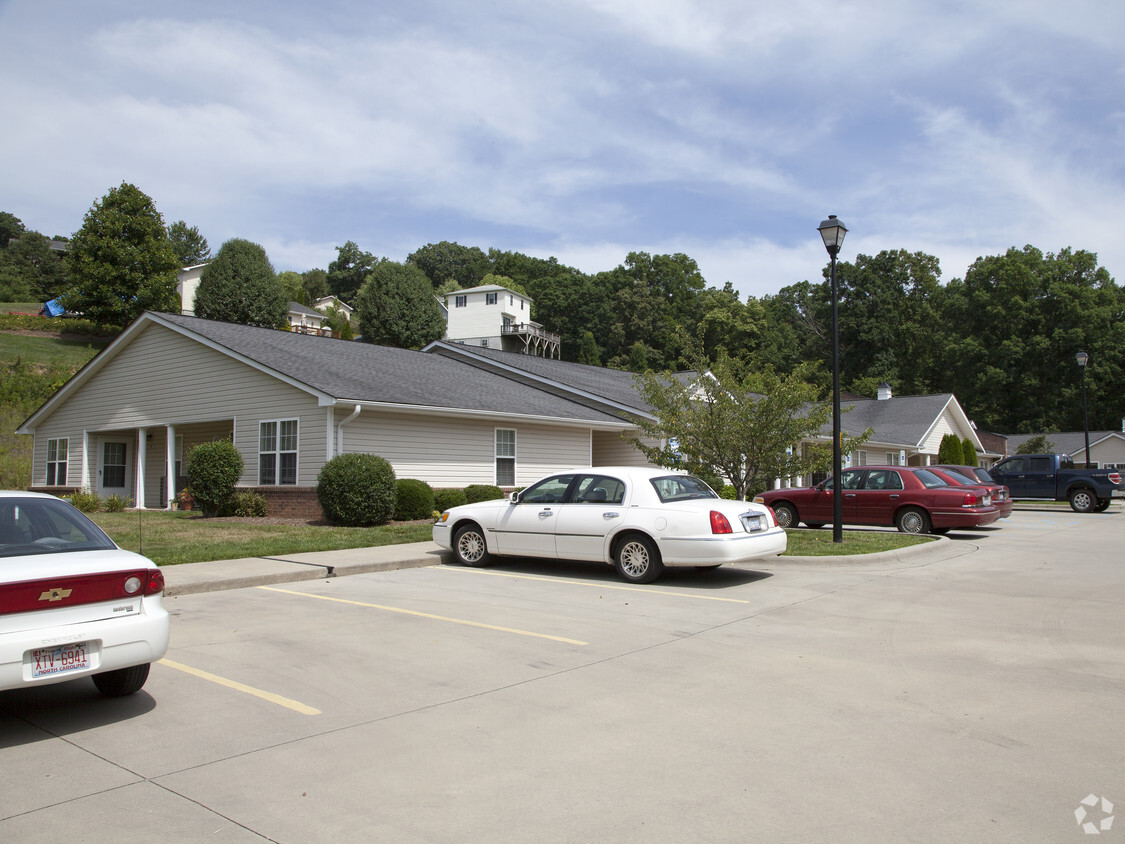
975 695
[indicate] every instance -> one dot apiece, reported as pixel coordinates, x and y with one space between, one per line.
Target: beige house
290 402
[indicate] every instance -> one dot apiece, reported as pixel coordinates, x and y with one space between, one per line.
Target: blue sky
582 129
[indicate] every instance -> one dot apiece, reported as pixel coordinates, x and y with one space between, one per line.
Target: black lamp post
832 231
1082 357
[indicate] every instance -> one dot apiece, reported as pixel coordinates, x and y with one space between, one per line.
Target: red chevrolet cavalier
913 499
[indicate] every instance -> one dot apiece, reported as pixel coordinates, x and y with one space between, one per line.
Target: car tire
786 515
913 520
123 681
940 531
469 546
814 525
1083 500
1103 505
637 559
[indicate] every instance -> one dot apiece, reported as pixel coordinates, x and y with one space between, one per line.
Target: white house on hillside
187 282
497 318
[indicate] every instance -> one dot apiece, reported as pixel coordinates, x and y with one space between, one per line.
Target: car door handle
894 496
610 514
543 514
849 495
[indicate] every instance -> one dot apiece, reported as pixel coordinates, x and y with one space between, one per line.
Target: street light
1082 357
832 231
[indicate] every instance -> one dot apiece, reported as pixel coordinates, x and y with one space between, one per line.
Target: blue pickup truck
1054 477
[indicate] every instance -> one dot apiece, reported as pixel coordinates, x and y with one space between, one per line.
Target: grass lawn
173 537
45 351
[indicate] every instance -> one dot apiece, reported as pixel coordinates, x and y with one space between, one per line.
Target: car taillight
773 516
719 523
1115 477
970 500
76 590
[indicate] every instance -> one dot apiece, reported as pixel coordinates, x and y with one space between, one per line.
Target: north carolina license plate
60 659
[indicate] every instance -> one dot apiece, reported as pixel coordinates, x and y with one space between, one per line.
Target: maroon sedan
913 499
976 476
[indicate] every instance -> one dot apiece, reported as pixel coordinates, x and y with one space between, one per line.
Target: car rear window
929 479
961 477
680 488
46 526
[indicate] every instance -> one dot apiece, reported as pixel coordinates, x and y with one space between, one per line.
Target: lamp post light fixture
832 231
1082 358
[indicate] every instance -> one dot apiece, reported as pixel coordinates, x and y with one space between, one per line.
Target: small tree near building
949 451
1039 444
742 423
968 450
241 286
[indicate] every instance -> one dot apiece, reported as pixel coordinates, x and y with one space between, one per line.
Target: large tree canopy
348 272
744 424
121 262
396 307
445 261
239 285
30 269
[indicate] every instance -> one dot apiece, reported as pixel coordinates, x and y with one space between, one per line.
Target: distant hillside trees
396 307
190 246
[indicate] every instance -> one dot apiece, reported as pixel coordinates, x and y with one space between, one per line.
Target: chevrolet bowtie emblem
55 595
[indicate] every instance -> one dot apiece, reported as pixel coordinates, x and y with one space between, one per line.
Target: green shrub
949 451
116 504
245 503
212 471
446 498
728 492
413 500
357 490
482 492
969 453
87 502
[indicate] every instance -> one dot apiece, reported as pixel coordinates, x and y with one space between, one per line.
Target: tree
969 452
30 269
316 284
1039 444
121 262
949 451
467 265
744 424
11 227
396 307
348 272
588 351
190 246
293 287
239 285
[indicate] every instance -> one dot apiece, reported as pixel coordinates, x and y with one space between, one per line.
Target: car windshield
983 476
681 487
929 479
46 526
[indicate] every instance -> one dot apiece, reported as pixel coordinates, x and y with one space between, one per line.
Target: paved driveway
976 697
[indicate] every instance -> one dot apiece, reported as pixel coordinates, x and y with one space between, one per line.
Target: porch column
170 466
87 482
139 474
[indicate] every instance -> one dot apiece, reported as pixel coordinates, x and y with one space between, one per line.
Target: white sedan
73 604
638 519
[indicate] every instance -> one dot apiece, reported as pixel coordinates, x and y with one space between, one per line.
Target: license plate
988 501
60 659
752 521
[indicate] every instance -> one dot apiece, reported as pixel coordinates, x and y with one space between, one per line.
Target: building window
460 301
862 460
113 465
56 462
277 453
505 457
484 341
490 298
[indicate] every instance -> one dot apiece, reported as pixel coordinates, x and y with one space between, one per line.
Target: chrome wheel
469 546
913 521
638 560
786 516
1083 501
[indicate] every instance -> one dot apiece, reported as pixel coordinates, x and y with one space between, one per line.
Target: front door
115 476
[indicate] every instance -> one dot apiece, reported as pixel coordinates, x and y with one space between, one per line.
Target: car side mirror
514 498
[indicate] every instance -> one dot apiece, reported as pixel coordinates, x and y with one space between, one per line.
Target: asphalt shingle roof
363 372
901 419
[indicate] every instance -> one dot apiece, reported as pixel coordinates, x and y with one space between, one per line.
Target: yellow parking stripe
593 584
429 615
296 706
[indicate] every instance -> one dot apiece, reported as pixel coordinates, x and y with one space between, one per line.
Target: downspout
340 430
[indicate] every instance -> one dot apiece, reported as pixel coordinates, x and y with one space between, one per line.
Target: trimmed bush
357 490
446 498
728 492
212 471
87 502
116 504
245 503
969 453
482 492
413 500
949 451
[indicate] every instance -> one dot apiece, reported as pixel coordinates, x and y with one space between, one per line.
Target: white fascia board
430 410
962 419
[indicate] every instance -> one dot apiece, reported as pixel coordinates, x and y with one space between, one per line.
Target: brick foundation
298 502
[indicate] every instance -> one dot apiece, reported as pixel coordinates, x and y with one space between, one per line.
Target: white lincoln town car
637 519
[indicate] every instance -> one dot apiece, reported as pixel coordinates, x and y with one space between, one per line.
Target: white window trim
278 451
497 456
66 461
